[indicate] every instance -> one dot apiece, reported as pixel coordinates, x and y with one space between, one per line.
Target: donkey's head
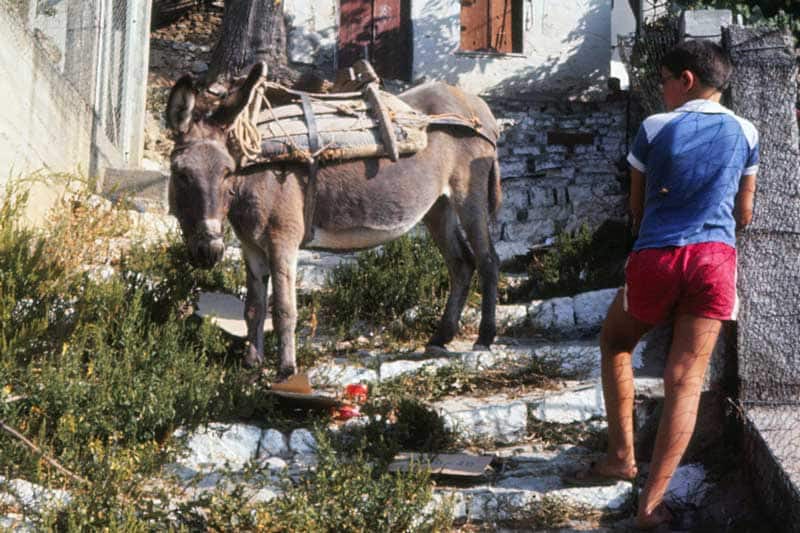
201 184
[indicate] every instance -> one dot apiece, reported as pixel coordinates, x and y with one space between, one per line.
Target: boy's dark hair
707 60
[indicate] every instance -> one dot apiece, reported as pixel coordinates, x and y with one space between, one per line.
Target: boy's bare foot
658 516
602 472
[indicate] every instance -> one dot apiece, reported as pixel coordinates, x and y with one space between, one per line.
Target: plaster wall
45 125
567 45
312 31
566 49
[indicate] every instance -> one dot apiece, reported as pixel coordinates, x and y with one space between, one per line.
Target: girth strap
310 203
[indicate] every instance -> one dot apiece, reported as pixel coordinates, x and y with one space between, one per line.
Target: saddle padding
347 129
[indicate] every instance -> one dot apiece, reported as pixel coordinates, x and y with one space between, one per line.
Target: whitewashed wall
565 49
566 45
312 31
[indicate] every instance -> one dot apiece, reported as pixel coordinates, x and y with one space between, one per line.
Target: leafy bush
167 281
351 494
383 283
96 372
580 262
95 380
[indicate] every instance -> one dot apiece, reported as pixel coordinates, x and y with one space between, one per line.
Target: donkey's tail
495 190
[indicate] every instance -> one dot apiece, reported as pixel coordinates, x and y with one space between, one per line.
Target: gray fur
453 186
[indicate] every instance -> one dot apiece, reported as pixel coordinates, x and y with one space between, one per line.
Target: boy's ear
688 80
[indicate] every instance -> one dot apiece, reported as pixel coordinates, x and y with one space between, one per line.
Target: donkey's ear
182 99
238 99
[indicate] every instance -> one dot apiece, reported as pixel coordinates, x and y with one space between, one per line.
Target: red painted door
378 30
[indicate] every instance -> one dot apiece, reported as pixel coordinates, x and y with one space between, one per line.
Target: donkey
453 186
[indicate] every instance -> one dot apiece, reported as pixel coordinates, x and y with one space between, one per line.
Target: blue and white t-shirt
693 159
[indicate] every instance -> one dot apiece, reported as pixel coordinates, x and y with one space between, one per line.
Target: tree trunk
252 30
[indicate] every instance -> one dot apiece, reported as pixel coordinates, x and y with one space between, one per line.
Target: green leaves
383 283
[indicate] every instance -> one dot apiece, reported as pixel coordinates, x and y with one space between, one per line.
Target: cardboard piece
299 383
297 392
445 464
226 312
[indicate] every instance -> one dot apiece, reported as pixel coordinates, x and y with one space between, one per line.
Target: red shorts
697 279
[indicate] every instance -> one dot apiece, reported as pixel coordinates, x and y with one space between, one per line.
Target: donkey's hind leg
473 213
442 223
283 265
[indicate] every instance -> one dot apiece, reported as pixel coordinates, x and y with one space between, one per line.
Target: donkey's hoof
435 351
285 372
477 347
253 359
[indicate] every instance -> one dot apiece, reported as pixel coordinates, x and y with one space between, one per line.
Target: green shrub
96 373
169 281
96 380
383 283
580 262
348 493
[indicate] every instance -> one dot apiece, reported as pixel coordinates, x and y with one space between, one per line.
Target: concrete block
219 445
571 406
393 369
341 375
150 185
705 23
555 315
591 307
497 419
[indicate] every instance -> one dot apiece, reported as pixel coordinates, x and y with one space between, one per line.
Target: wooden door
487 25
355 31
475 32
378 30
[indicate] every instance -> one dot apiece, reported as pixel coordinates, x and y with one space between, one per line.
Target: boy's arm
636 198
743 208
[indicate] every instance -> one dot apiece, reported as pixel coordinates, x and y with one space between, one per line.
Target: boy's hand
743 208
636 199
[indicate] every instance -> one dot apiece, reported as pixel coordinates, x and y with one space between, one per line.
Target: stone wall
561 167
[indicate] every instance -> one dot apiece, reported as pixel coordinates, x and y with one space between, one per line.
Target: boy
692 184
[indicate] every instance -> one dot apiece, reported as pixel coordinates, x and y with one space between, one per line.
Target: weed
587 434
399 424
383 283
348 493
542 372
103 370
553 511
579 262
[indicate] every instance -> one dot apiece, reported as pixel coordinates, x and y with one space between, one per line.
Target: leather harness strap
313 167
464 123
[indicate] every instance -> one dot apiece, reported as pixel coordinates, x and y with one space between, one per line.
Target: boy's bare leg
693 340
620 334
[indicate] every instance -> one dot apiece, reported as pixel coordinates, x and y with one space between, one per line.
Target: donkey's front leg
283 264
255 310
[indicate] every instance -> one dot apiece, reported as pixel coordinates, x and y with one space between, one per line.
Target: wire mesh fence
642 55
88 43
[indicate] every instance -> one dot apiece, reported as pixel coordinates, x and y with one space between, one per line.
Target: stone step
147 189
572 358
536 477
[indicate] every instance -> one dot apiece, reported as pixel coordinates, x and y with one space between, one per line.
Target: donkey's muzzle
207 251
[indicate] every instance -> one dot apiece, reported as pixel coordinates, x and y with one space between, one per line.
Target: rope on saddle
310 201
